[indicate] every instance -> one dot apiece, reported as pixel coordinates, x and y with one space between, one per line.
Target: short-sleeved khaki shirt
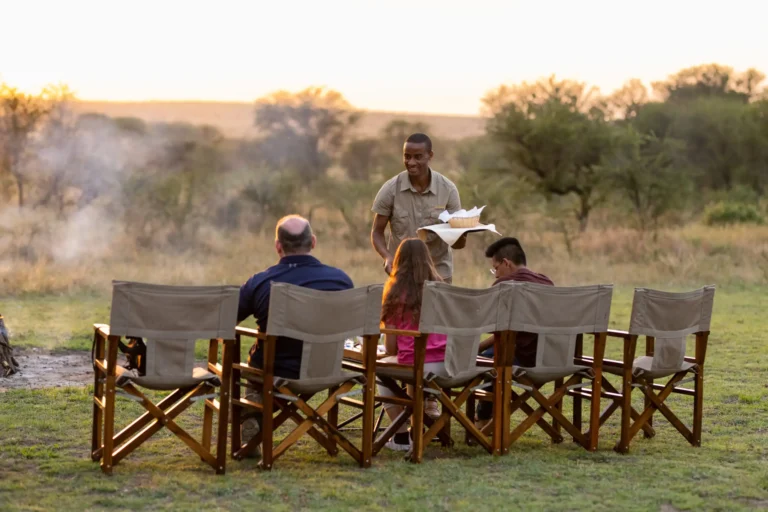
409 210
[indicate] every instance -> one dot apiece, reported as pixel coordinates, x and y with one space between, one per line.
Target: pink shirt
435 344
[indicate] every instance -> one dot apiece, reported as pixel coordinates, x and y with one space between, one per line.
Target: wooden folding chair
170 319
560 316
323 321
464 315
665 319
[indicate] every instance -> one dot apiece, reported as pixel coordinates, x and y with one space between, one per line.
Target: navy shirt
300 270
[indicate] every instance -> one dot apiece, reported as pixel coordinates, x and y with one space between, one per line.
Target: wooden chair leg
597 390
333 420
268 404
98 394
213 357
626 395
626 411
445 433
235 398
650 343
369 398
698 406
559 407
577 400
646 405
224 406
471 411
417 422
207 426
109 405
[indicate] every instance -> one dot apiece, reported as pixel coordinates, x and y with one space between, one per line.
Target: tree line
691 145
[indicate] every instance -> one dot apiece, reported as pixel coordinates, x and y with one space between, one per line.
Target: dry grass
691 256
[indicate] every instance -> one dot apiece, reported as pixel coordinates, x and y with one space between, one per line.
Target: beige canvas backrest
323 320
670 317
171 319
558 315
464 315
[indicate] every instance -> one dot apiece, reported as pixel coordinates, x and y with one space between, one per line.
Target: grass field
44 443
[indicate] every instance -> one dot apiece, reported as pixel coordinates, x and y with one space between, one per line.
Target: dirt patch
44 369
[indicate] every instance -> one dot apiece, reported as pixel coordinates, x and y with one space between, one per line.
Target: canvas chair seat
166 383
442 378
544 374
311 386
643 367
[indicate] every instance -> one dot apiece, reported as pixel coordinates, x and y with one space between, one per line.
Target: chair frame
109 448
633 421
451 408
324 430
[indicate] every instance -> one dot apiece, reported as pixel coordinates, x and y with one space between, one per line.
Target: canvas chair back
464 315
323 320
558 315
171 319
670 317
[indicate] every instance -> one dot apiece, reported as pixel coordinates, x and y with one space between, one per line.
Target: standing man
414 199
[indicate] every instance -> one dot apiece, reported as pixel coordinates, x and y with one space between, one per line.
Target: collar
298 259
405 184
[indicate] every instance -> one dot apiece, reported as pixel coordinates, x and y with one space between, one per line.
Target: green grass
45 441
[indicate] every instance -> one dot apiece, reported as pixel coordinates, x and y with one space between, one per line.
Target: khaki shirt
409 210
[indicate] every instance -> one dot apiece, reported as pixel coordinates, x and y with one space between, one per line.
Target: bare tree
21 117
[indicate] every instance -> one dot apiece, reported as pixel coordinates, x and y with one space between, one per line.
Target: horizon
186 52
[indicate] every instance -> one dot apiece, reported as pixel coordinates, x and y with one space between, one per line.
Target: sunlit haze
418 56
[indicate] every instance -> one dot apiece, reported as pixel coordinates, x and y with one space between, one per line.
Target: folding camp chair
170 319
323 321
665 319
464 315
560 316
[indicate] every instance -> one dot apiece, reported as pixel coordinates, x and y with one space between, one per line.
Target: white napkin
474 212
449 235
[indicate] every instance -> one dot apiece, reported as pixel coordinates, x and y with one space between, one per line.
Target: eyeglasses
496 268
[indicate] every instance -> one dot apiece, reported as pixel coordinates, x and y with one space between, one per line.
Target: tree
555 134
645 170
755 146
626 102
714 131
305 131
393 135
21 117
710 80
362 158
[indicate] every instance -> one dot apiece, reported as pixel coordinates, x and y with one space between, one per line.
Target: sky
403 56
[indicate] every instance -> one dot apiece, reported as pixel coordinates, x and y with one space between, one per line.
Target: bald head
293 235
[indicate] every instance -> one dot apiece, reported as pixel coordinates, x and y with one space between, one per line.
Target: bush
724 213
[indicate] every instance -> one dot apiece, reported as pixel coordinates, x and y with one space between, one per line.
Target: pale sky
417 55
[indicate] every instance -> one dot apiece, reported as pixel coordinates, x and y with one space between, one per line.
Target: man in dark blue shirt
294 241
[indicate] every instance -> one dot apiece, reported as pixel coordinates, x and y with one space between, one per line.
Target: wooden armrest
400 332
253 333
102 329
